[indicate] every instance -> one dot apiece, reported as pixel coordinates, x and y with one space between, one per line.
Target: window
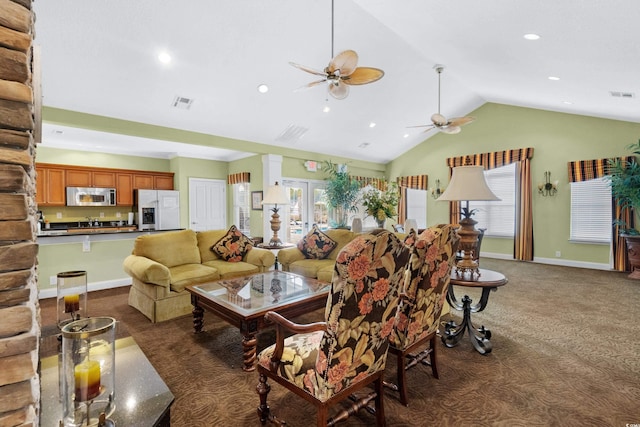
498 217
242 207
417 206
591 211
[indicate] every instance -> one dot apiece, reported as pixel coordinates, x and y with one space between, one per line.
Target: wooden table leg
249 348
198 315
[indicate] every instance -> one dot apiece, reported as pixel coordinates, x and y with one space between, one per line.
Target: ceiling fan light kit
440 122
342 71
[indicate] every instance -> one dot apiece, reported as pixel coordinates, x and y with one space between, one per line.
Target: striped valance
584 170
239 178
416 182
492 160
379 183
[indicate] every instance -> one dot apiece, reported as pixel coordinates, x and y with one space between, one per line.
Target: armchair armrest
289 255
147 270
263 258
284 325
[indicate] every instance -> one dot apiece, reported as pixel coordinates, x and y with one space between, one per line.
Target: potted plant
341 194
624 180
381 204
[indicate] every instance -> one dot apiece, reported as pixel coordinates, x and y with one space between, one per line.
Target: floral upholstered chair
432 257
325 362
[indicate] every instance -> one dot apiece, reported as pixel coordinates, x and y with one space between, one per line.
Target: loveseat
162 265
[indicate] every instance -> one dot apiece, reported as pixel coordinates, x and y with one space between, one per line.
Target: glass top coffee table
243 302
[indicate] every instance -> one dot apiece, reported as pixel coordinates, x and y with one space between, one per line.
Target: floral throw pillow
316 244
233 246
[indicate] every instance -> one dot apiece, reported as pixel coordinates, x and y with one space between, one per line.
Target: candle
71 303
87 380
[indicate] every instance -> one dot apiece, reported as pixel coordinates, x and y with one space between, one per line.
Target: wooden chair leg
263 390
433 356
402 378
322 417
379 402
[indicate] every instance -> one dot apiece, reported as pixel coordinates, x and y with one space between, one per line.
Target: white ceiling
100 57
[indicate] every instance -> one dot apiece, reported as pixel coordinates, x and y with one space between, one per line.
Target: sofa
162 265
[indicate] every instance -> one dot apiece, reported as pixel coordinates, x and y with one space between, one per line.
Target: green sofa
162 265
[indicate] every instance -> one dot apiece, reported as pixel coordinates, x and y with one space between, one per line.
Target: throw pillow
233 246
316 244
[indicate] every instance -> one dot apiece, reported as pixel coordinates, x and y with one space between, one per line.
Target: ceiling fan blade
438 119
310 85
461 121
451 130
308 70
363 75
346 62
339 90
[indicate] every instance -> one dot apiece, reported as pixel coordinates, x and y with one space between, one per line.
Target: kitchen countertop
68 234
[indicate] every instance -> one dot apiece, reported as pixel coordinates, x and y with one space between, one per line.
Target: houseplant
624 180
341 194
381 204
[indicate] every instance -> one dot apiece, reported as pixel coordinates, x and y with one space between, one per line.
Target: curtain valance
492 160
239 178
585 170
415 182
379 183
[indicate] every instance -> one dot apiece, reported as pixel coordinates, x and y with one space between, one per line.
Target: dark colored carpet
566 352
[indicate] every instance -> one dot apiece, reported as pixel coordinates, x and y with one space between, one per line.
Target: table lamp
467 183
276 195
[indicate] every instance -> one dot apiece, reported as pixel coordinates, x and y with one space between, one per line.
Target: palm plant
624 180
341 194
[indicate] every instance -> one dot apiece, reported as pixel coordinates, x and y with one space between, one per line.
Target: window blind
591 211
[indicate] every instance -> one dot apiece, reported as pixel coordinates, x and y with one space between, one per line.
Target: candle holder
72 296
88 372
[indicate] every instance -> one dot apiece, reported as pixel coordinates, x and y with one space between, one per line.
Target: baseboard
95 286
553 261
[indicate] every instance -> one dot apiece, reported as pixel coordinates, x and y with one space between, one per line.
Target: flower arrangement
381 204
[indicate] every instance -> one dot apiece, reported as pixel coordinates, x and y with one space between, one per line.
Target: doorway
306 207
207 204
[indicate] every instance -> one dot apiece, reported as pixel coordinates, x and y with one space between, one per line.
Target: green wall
557 138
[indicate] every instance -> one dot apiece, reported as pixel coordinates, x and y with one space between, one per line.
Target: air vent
617 94
182 102
292 133
364 145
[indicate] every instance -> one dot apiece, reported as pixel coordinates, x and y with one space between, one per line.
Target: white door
305 208
207 204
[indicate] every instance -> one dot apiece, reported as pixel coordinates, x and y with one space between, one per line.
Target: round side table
275 250
489 281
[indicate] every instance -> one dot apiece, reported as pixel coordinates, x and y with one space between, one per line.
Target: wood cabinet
50 186
53 179
90 178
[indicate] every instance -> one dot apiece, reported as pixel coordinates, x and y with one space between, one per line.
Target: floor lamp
276 195
468 184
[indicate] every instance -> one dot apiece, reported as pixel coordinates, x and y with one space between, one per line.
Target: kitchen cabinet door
50 187
144 182
124 189
163 182
89 178
103 179
78 178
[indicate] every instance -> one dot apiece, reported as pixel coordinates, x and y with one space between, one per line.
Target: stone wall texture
19 132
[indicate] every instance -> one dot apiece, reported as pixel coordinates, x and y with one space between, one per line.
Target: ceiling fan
342 71
439 121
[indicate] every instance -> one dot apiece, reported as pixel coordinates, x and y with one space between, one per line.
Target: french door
306 207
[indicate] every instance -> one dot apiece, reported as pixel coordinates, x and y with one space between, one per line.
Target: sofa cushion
170 248
191 274
206 239
311 267
233 246
228 270
341 236
316 244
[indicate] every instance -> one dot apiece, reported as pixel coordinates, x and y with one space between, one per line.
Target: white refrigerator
157 209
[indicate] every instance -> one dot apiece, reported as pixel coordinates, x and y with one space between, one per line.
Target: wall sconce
436 192
548 188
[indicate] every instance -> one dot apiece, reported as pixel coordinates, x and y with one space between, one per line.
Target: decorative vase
381 222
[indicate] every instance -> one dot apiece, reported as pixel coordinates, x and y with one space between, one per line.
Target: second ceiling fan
440 122
342 71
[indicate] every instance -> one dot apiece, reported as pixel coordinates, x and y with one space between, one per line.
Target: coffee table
243 302
489 281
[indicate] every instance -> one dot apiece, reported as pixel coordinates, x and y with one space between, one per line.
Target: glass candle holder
72 296
88 371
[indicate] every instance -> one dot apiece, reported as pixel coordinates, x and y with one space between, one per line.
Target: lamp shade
276 195
468 183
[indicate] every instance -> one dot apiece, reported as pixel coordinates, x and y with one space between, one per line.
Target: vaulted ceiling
101 57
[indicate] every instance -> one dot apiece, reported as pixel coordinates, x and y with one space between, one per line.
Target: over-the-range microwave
90 196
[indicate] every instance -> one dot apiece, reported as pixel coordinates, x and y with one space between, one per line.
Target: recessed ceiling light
554 78
406 135
326 109
531 36
164 57
567 102
263 88
372 125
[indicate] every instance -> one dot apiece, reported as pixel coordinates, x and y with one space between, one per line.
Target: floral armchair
326 362
432 257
